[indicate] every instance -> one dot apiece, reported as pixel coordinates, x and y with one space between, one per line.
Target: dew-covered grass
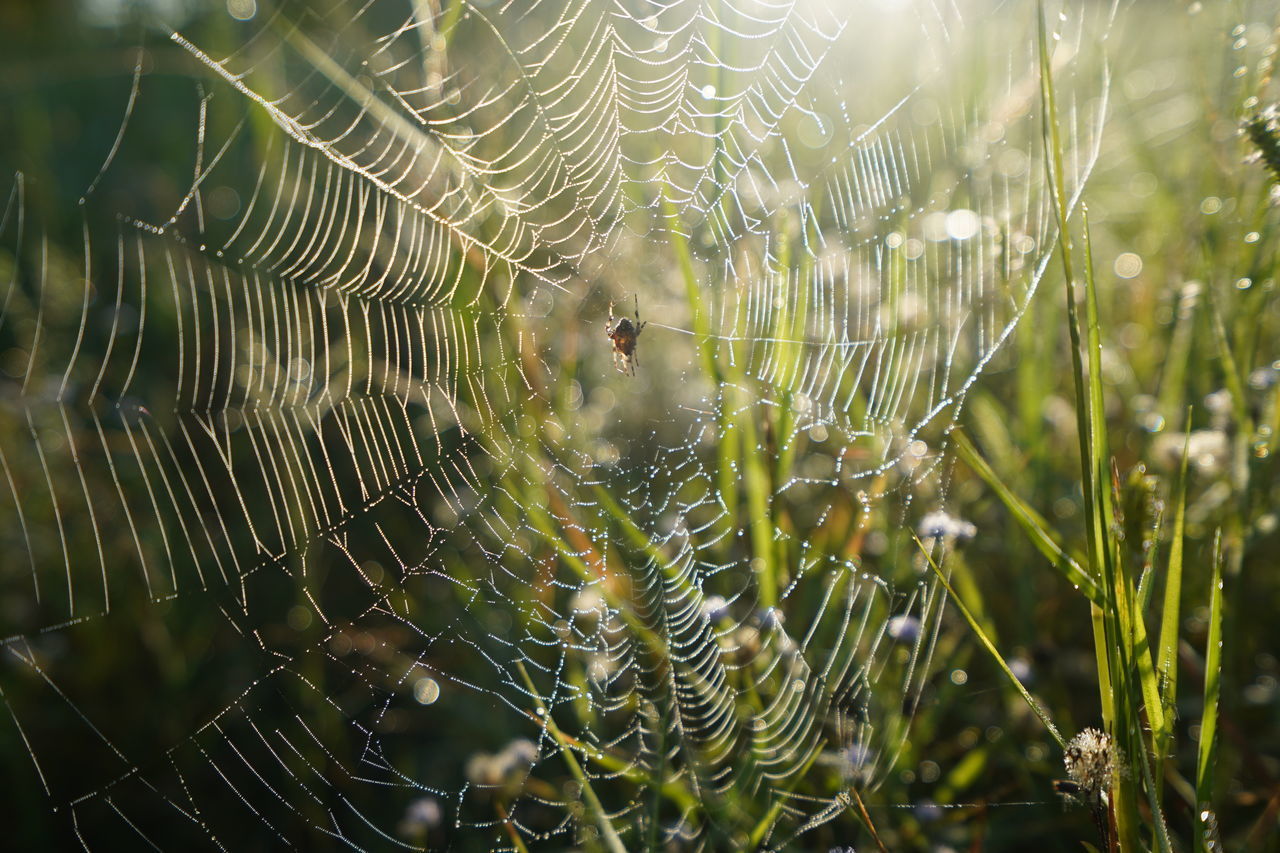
1052 625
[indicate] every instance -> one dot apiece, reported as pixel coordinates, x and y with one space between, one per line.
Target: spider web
322 438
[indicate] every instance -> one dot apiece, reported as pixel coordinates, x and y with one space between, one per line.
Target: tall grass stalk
1136 693
1204 818
1137 684
612 842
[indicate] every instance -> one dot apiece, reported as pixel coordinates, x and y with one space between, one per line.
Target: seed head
1092 760
1263 130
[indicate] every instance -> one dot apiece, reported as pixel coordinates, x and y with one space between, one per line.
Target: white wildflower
506 768
903 628
1208 450
421 816
715 608
940 525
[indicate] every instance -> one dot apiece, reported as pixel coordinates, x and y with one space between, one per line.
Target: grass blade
1035 706
693 293
1113 635
1212 692
1036 528
607 833
1170 614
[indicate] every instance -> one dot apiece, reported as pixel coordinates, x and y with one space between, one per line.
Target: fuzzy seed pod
1263 130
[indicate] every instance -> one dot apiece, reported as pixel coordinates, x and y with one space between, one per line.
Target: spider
624 333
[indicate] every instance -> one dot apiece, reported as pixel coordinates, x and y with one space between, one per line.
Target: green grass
1138 695
1122 574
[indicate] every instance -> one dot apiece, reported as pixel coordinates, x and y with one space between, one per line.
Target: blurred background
321 482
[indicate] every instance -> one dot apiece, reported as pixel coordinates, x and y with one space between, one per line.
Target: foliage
1116 459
